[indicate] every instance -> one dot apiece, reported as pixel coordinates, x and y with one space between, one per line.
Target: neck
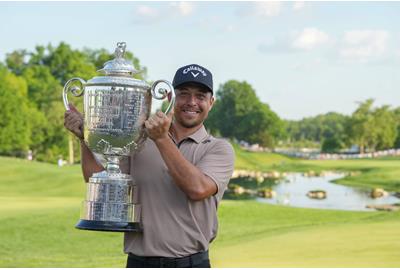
179 132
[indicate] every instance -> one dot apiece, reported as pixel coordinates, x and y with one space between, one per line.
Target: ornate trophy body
115 108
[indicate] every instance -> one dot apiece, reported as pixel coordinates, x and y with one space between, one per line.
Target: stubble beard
190 124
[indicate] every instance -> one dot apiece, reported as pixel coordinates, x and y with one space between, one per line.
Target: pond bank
309 190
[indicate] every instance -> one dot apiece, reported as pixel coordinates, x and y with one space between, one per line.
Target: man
181 175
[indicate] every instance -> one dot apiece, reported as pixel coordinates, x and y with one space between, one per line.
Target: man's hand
73 121
157 126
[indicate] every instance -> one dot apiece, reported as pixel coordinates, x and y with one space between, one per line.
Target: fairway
40 203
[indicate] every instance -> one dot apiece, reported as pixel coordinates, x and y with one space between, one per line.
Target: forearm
186 176
89 162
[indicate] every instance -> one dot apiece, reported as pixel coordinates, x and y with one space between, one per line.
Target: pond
292 191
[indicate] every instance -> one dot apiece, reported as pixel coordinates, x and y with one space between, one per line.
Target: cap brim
206 86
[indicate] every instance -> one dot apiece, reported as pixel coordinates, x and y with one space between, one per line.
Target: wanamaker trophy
116 106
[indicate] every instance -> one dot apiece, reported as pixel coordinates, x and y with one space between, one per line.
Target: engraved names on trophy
132 108
108 212
114 110
103 108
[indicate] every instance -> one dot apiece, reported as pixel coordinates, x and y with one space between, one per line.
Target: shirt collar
198 136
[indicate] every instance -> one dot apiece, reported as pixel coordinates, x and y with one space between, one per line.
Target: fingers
157 120
73 113
73 121
157 126
72 108
69 116
171 113
148 125
160 114
151 123
74 126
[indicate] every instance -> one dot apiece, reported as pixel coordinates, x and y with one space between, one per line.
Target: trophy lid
119 66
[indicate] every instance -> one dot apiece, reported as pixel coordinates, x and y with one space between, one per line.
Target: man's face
192 105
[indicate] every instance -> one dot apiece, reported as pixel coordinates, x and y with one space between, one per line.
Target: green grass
308 238
40 204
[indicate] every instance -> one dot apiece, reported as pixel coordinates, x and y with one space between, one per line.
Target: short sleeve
218 164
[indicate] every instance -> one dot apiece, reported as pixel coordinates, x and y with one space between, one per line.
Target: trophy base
108 226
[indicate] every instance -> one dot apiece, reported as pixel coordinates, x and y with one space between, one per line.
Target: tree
360 125
16 60
43 88
238 113
66 63
384 128
396 113
372 128
331 145
14 123
327 130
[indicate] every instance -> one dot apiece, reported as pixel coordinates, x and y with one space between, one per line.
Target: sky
302 58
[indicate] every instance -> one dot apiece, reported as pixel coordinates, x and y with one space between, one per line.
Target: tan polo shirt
174 225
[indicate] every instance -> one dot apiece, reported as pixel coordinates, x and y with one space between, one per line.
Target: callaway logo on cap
193 73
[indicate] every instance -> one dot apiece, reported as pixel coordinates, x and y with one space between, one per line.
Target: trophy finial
120 50
119 66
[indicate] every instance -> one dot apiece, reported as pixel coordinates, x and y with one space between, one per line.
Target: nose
191 99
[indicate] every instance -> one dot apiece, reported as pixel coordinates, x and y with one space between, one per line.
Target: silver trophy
115 108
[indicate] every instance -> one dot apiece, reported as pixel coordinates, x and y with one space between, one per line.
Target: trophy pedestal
110 226
110 204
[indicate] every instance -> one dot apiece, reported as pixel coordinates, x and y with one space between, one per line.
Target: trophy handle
77 91
163 93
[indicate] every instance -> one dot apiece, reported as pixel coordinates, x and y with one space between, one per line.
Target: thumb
171 114
72 108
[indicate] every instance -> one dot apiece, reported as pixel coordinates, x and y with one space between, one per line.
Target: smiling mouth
191 112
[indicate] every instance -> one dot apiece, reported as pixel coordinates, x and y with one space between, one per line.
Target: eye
182 94
201 97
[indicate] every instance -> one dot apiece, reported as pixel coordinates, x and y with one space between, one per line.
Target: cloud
268 8
355 46
309 39
230 28
183 8
296 41
149 14
261 9
298 5
146 11
364 45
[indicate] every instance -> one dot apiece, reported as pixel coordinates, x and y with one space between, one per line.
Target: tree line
368 128
32 112
239 114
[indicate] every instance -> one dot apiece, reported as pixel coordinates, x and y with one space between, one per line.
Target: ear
169 96
212 99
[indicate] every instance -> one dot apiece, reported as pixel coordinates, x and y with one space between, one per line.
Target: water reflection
292 191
